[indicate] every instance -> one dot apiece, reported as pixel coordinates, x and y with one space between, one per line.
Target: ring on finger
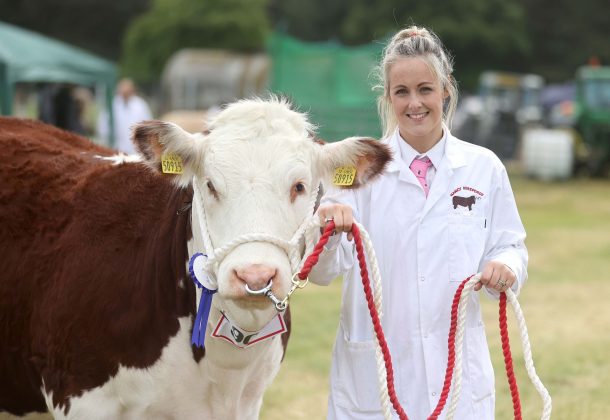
328 219
502 283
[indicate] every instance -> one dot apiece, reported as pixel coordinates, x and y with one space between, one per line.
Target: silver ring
328 219
502 283
262 291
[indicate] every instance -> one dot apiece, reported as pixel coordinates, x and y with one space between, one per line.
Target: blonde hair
425 44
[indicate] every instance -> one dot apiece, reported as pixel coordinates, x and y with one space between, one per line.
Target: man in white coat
430 230
128 109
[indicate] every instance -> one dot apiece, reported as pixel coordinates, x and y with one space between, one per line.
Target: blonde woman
442 211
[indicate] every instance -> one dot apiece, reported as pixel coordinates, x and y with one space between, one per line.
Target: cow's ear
367 156
169 149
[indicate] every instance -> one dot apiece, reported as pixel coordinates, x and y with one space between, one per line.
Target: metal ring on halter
262 291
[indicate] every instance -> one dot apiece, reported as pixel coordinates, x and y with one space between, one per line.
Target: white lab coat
425 248
126 115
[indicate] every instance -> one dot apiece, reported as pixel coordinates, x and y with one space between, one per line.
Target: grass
565 303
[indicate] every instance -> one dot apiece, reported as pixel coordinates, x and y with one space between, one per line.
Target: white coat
126 115
425 248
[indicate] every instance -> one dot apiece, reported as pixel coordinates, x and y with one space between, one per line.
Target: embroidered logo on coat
465 201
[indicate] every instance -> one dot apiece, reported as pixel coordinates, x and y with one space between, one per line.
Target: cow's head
256 169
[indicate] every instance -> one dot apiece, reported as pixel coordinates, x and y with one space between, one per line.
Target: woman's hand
497 276
342 216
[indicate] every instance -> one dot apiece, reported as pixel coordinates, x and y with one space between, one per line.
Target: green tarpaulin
28 57
332 82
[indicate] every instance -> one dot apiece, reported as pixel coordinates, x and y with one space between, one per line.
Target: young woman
442 211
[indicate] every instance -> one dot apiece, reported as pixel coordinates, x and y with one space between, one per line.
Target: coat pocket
354 376
480 369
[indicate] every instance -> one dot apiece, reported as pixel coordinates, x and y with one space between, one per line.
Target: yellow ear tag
171 163
344 176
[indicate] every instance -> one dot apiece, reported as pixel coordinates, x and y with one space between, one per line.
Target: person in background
442 211
129 109
58 105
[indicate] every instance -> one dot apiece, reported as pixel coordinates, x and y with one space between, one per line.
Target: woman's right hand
341 214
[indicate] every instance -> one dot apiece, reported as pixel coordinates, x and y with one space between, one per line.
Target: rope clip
280 305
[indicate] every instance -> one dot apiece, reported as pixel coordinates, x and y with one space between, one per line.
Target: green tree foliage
566 34
171 25
481 34
95 25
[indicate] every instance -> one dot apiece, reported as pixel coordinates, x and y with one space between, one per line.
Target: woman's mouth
417 117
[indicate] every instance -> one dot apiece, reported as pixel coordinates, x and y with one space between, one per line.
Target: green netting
331 82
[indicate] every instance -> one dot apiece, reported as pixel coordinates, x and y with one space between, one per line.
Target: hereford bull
96 303
464 201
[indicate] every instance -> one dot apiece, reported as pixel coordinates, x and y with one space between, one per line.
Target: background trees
170 25
550 37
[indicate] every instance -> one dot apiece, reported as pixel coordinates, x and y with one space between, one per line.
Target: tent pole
7 90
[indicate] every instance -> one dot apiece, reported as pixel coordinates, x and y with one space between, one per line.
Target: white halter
301 243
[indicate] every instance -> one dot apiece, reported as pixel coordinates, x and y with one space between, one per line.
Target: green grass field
565 303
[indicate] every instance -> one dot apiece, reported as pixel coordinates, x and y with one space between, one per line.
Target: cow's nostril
256 276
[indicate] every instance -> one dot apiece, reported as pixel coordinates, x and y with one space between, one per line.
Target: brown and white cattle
96 303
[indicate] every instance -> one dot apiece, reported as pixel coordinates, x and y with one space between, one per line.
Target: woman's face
417 99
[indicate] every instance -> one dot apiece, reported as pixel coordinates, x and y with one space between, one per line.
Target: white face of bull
257 170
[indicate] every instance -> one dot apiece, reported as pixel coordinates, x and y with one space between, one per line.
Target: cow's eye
211 189
297 189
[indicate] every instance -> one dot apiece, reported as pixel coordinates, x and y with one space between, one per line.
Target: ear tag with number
344 176
171 163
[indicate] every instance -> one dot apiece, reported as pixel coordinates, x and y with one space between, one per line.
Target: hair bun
411 32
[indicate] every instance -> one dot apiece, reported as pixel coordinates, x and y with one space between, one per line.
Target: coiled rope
455 340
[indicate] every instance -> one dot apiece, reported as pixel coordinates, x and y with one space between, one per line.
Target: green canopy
29 57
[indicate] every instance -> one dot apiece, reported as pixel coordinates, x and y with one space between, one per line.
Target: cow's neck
236 378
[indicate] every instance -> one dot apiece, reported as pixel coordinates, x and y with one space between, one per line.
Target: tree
566 34
95 25
481 34
238 25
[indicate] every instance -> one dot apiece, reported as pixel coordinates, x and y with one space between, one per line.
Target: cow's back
90 252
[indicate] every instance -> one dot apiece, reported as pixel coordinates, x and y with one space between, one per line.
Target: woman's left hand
497 276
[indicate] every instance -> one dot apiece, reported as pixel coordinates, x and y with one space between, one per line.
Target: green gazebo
28 57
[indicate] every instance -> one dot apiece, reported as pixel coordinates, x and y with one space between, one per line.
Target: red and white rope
385 378
527 355
377 298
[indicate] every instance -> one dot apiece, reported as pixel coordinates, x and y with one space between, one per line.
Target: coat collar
454 158
454 154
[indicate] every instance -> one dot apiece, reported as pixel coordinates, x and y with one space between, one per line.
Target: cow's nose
256 276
